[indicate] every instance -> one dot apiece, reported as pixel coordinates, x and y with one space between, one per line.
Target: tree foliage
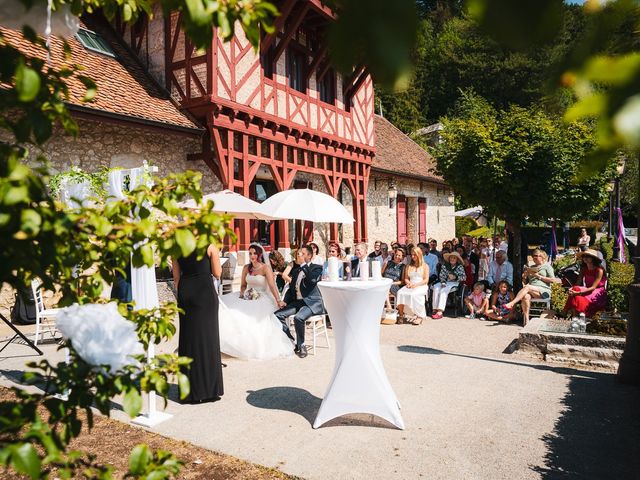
518 163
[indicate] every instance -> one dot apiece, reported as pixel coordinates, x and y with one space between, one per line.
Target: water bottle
574 325
582 323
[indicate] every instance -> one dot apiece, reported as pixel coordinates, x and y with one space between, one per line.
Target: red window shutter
422 220
401 214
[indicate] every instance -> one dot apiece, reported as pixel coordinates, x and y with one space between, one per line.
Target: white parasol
305 204
231 203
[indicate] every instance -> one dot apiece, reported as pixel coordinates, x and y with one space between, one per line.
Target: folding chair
44 317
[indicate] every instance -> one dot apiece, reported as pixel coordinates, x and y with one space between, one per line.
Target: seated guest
476 302
297 255
360 256
411 298
592 297
433 248
468 266
537 281
394 270
333 251
584 240
451 274
278 265
431 260
376 250
384 254
499 298
500 269
317 258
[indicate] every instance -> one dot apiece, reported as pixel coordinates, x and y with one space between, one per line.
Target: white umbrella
474 212
231 203
305 204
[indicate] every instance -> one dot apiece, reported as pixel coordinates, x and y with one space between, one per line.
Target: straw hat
589 252
453 254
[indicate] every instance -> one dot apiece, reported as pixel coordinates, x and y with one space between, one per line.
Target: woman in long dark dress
199 333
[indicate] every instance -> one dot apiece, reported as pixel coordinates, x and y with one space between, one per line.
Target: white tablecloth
359 383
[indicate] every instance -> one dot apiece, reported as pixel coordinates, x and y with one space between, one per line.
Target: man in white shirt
500 269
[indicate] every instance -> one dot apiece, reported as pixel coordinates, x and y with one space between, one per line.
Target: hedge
559 298
465 225
481 232
606 247
620 277
535 235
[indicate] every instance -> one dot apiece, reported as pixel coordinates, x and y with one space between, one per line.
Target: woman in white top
412 297
317 258
584 240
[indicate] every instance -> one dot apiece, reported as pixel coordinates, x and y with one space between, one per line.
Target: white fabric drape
143 279
115 186
359 383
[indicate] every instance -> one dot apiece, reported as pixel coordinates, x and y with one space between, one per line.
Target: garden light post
616 245
629 367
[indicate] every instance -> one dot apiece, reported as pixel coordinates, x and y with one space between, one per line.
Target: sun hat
589 252
454 254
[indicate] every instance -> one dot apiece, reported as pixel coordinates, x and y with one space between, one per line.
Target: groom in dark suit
303 298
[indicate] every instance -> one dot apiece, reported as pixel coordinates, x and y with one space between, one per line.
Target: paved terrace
472 412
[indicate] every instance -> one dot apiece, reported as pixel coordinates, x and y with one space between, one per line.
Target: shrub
559 298
464 225
620 277
563 261
594 224
480 232
606 247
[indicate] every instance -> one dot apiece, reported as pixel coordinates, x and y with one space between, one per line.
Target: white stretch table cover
359 383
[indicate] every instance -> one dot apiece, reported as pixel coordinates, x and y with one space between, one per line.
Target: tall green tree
519 163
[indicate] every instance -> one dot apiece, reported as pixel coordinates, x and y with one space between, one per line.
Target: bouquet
251 294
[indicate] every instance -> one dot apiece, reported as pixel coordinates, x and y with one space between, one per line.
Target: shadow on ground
598 434
290 399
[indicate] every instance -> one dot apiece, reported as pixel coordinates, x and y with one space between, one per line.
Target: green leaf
16 195
186 241
183 384
139 459
147 254
30 221
27 83
127 12
197 12
132 402
24 459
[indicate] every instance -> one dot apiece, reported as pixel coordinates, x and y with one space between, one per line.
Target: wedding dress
248 328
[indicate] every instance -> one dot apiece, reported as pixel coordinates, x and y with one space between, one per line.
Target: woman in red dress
592 297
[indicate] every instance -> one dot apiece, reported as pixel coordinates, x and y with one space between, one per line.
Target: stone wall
110 145
382 217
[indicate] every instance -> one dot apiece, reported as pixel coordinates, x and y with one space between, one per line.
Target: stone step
579 355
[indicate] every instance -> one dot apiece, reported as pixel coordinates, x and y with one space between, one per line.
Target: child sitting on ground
502 295
477 302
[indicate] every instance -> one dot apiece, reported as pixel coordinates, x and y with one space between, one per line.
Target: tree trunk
514 227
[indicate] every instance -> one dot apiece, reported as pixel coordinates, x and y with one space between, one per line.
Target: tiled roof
397 153
124 87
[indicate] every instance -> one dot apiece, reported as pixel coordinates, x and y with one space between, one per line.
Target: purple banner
620 236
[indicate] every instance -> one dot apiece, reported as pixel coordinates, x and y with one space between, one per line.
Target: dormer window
327 87
296 70
94 42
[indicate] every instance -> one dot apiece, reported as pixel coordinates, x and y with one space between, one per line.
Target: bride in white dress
248 327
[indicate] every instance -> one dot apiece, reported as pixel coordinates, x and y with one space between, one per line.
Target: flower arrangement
251 294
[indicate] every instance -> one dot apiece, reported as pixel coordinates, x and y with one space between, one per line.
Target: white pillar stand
153 417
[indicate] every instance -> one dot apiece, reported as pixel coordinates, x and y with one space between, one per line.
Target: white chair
318 325
539 305
228 275
45 317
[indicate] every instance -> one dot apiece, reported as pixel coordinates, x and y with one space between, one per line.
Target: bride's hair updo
259 252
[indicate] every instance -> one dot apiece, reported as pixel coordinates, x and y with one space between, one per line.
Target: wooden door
401 219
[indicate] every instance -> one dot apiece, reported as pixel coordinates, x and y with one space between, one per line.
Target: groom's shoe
301 351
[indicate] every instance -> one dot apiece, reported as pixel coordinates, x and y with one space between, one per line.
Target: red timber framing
255 121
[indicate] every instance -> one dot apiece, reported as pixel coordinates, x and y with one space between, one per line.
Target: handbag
389 317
